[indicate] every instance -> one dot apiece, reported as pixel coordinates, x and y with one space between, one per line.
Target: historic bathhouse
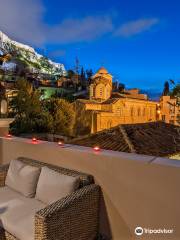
106 109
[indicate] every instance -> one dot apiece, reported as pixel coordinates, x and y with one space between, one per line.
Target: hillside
22 54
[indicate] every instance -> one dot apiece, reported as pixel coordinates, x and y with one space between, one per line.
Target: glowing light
96 148
34 140
61 143
9 135
158 111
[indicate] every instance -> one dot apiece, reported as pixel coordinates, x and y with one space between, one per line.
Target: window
109 124
150 112
100 91
119 110
107 93
132 112
144 112
139 112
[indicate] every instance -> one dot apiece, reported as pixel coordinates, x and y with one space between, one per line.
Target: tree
89 74
70 73
27 108
83 78
63 116
176 91
166 89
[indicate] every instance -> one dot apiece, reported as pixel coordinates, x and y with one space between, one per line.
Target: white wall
138 190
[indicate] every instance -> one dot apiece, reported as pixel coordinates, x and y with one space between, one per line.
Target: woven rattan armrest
75 217
3 173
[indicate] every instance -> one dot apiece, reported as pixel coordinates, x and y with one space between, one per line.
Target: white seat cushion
22 178
53 185
17 213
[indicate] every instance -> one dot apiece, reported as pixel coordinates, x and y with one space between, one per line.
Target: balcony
138 190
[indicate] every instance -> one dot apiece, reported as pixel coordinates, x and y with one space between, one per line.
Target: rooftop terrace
138 190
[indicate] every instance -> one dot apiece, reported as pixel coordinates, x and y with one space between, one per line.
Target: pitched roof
111 101
155 138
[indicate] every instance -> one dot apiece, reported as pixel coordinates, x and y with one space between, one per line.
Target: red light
60 143
97 148
34 140
9 135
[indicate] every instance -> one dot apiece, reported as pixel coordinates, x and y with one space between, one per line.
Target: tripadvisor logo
139 231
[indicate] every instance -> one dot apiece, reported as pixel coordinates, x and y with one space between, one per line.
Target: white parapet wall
4 125
138 190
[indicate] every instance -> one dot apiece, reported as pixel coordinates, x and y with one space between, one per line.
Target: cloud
78 30
23 20
135 27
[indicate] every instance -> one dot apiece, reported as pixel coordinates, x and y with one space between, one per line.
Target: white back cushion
22 178
53 186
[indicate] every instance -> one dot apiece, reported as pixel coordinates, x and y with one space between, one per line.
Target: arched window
119 111
132 112
139 112
109 124
150 112
107 91
144 112
99 92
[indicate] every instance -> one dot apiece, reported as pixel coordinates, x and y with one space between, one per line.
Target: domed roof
102 70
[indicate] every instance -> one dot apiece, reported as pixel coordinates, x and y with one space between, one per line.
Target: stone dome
102 70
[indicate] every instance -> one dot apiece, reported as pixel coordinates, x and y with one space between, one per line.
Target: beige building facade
169 110
106 109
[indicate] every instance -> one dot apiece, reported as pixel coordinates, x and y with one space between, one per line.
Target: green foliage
70 73
27 108
63 116
31 116
27 102
176 91
166 89
45 64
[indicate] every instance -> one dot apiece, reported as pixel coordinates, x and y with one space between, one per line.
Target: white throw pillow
53 186
22 178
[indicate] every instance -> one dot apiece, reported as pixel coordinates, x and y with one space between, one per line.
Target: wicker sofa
74 217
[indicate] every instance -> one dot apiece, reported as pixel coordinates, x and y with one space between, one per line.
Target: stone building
169 110
106 109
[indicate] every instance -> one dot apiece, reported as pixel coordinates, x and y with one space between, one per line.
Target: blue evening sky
138 41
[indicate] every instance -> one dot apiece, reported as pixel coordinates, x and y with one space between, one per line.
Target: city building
169 110
106 109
